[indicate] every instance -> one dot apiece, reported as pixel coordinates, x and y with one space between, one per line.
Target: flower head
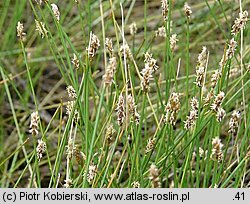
217 149
34 123
20 33
120 110
94 44
164 6
187 10
56 11
154 176
40 27
172 108
40 149
240 22
133 28
234 122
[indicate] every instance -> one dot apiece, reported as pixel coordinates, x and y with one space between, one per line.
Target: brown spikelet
120 110
34 123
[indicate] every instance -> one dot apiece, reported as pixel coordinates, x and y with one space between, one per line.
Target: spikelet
120 110
164 6
150 145
193 115
221 113
109 46
68 183
56 11
240 22
208 97
110 134
70 148
79 155
108 77
71 92
146 77
136 184
132 109
125 51
154 176
20 33
215 78
34 123
217 149
217 101
94 44
231 49
172 108
75 61
161 32
92 173
234 122
40 149
40 27
69 109
187 10
133 28
151 61
200 67
173 41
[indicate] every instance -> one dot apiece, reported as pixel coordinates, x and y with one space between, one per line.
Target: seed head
70 148
20 33
161 32
200 67
120 110
34 123
109 46
40 27
92 173
234 122
217 149
164 6
75 61
240 22
173 40
172 108
71 92
187 10
108 77
217 101
79 155
231 49
221 113
69 109
154 176
193 115
110 134
215 78
132 109
40 149
56 11
208 98
94 44
151 61
133 28
146 77
125 51
150 145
